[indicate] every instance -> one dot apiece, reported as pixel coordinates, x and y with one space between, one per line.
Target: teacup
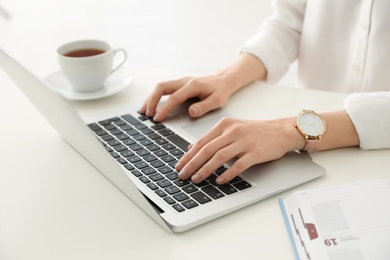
86 64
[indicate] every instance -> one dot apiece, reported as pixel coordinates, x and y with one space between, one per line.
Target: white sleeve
276 43
370 113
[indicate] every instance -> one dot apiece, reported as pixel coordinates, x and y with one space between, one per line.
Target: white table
55 205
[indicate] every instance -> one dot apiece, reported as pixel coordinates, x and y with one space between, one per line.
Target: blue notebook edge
289 228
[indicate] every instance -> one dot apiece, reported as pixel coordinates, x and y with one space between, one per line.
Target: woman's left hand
248 142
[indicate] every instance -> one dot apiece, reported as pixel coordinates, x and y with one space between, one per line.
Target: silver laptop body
266 179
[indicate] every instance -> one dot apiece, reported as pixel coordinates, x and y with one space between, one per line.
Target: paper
338 223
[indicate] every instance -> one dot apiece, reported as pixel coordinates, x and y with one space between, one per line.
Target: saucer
113 84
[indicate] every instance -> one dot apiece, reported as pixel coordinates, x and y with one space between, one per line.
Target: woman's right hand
213 93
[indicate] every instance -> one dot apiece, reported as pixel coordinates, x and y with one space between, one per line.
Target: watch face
311 124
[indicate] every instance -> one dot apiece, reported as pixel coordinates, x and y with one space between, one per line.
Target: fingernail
220 180
195 177
156 118
195 111
181 174
147 112
178 164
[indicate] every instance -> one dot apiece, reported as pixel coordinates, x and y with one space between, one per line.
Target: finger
197 159
222 156
215 132
204 106
163 88
194 148
238 167
178 97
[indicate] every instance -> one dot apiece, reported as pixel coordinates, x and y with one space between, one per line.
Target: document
345 222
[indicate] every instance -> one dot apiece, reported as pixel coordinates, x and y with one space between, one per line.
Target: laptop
138 155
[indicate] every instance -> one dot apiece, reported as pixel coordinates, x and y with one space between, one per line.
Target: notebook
138 156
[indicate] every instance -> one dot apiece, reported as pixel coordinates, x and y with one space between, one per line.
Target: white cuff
370 113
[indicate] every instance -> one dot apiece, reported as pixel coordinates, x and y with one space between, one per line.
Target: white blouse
341 45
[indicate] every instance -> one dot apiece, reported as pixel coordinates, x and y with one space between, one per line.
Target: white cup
86 64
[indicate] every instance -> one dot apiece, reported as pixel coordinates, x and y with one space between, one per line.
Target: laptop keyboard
150 153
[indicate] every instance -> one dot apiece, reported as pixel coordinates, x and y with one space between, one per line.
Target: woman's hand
213 92
247 142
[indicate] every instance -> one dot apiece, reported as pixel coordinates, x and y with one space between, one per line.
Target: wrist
294 140
245 70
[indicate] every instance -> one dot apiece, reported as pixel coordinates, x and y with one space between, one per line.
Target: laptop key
94 127
168 158
165 169
160 153
153 147
129 118
176 152
213 192
160 141
168 146
129 167
180 142
235 179
157 163
144 179
143 118
116 132
148 170
136 173
178 207
129 142
172 190
164 183
181 183
127 153
158 126
242 185
152 186
141 164
119 122
156 177
134 159
113 142
190 188
227 189
150 158
100 132
180 197
189 204
200 197
115 155
107 138
166 132
142 152
172 176
160 193
120 148
169 200
121 160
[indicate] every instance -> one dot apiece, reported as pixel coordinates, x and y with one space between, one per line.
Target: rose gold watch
311 126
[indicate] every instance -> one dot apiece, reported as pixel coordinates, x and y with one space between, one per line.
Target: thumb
202 107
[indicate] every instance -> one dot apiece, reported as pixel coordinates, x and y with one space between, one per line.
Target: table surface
55 205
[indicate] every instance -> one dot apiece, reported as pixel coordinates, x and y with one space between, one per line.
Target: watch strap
311 144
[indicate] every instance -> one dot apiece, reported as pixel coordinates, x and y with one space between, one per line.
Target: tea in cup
86 64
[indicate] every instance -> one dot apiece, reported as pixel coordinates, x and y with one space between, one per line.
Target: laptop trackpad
199 127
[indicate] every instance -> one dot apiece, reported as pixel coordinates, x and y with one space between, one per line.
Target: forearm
340 132
245 70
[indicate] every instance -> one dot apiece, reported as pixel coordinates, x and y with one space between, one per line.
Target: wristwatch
311 126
